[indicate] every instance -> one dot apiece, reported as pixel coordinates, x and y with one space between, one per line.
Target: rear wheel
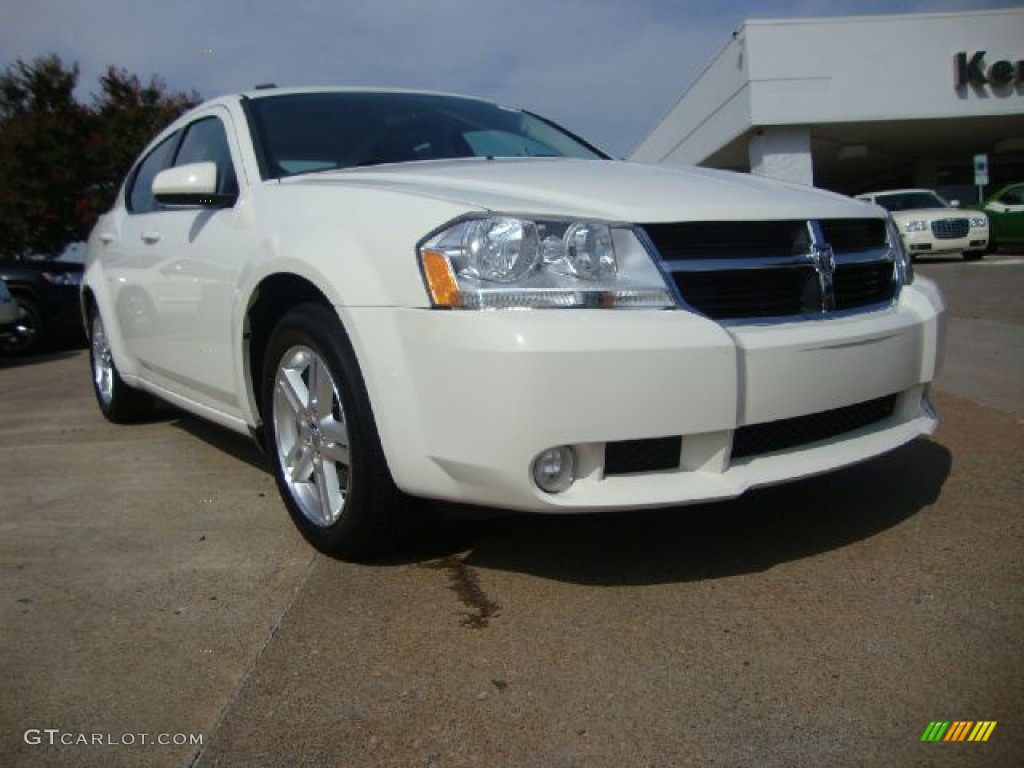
30 331
120 403
322 438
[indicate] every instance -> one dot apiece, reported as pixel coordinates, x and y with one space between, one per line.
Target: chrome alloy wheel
102 362
311 435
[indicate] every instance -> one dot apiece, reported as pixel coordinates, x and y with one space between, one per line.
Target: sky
605 69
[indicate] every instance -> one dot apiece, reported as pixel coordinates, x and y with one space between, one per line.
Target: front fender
356 246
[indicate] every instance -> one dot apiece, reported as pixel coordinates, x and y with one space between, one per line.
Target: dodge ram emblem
824 260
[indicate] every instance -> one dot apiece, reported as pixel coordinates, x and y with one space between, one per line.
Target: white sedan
930 225
406 294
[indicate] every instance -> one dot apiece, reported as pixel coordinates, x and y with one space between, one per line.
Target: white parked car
931 225
418 295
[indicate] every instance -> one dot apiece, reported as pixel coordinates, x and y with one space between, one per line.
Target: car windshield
1013 196
309 132
910 201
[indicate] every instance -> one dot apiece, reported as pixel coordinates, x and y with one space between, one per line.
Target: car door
176 287
1006 215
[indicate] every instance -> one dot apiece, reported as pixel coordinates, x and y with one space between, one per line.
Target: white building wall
813 72
717 111
783 152
877 67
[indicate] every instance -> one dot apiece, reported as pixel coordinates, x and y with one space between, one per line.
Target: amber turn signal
444 289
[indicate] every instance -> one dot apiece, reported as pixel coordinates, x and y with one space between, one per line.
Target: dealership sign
970 68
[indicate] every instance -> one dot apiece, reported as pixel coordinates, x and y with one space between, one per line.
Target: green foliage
62 162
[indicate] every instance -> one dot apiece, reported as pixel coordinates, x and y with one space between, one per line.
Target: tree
127 115
40 175
61 161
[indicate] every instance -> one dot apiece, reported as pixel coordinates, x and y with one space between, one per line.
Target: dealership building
860 103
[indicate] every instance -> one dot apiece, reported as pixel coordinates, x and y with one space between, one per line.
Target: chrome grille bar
763 270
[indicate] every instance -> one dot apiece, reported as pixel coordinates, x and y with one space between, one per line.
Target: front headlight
917 225
508 262
979 222
904 263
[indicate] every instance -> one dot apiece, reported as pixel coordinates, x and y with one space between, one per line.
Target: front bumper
464 401
924 243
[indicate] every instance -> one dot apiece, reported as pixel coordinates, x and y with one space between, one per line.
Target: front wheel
322 438
120 403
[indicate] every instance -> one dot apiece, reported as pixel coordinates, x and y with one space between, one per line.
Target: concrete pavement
152 584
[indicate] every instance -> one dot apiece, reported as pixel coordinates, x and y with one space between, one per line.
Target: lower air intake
771 436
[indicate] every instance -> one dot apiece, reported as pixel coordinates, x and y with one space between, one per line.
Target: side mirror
954 203
194 184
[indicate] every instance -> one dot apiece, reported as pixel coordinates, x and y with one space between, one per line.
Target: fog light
554 470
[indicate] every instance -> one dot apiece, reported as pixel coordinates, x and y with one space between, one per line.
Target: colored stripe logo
958 730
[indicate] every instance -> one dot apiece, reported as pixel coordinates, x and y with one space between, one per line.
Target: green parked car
1005 211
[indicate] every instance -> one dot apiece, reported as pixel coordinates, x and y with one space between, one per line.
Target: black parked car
48 305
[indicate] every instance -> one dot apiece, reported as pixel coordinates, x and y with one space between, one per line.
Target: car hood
610 190
930 213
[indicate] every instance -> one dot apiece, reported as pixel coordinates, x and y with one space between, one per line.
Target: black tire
992 246
118 402
352 510
32 334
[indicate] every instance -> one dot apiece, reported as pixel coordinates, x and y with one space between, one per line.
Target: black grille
846 235
950 229
624 456
750 292
729 239
698 256
860 285
772 436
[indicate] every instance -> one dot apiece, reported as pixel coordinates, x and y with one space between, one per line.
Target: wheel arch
87 305
269 301
94 300
25 290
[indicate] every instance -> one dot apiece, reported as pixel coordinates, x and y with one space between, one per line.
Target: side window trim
129 188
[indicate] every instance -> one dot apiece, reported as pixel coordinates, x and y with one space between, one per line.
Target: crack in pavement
253 663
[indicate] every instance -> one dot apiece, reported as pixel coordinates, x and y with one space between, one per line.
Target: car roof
897 192
264 92
277 91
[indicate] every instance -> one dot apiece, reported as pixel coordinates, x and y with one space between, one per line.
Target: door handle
151 236
107 238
